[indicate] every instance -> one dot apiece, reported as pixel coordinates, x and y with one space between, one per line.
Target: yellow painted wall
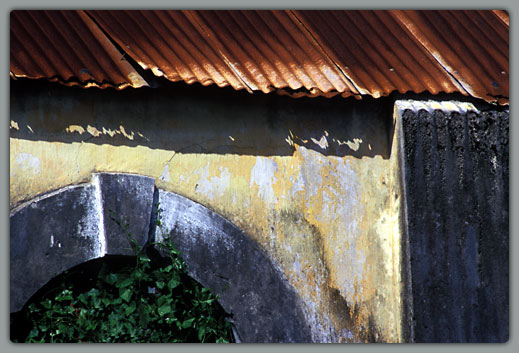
330 222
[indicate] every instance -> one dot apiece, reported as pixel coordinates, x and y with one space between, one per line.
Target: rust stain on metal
299 53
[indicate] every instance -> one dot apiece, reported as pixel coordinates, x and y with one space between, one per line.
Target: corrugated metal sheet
472 46
253 50
169 44
456 168
67 46
375 52
302 53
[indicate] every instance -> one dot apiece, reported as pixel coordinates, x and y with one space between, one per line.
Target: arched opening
71 226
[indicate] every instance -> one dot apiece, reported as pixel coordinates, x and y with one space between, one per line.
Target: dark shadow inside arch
87 275
81 276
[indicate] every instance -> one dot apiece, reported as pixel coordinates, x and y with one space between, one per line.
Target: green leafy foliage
150 301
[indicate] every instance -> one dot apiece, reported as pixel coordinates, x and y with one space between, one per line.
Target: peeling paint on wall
26 162
263 177
215 186
165 174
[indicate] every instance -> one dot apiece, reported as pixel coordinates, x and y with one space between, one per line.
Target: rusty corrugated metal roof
375 52
67 46
472 46
300 53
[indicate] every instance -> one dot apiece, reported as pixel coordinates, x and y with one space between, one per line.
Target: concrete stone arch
59 230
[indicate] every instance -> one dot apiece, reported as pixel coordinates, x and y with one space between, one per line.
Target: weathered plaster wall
313 181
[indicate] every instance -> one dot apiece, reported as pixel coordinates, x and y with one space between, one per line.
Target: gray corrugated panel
456 169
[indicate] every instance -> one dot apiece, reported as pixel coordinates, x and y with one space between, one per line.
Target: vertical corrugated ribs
456 178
